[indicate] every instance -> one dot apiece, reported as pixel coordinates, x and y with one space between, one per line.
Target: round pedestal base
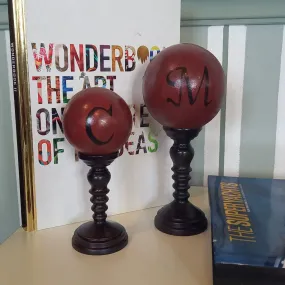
180 219
99 240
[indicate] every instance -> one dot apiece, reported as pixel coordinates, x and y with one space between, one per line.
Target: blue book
248 230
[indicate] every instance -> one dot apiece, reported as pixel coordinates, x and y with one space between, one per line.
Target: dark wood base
180 219
99 237
99 240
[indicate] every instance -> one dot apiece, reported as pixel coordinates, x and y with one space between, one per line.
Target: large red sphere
97 121
183 86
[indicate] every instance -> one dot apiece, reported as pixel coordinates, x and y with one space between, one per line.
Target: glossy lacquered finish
99 237
183 86
183 89
97 121
180 217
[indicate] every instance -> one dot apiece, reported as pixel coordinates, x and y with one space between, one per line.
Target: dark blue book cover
248 222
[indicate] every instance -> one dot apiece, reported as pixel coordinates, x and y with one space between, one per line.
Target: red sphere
97 121
183 86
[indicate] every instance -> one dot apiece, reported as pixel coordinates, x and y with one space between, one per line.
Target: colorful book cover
61 47
248 229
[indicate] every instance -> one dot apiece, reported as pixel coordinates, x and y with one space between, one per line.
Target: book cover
61 47
248 230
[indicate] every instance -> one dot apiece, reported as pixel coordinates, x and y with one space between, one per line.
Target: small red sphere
183 86
97 121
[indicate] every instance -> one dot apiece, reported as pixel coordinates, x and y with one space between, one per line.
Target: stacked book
248 230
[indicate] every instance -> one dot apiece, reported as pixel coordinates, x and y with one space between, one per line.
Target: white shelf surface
46 257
